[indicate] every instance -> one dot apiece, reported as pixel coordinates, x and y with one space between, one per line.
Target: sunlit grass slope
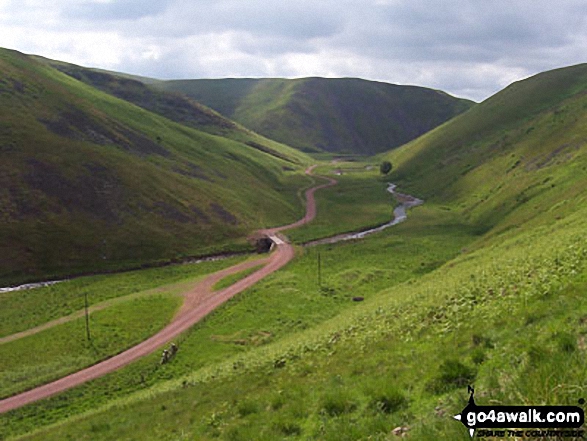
484 284
174 106
508 159
91 182
346 115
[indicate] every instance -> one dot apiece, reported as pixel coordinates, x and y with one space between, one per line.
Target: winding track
199 302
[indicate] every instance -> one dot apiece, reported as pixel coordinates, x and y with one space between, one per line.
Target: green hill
174 106
484 285
525 143
89 181
344 115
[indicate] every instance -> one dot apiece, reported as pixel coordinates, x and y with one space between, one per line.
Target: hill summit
340 115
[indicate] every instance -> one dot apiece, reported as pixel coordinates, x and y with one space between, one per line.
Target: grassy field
402 357
233 278
22 309
63 349
261 319
360 200
130 307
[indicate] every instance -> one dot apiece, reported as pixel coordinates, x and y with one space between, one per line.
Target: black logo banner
521 417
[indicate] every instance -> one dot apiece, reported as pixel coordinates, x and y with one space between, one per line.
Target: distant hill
174 106
91 182
508 159
344 115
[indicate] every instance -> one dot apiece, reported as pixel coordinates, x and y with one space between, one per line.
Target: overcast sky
469 48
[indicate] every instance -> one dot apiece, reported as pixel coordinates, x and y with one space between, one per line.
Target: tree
385 167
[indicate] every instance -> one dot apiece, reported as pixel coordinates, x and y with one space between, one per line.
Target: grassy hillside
89 181
312 364
527 143
336 115
174 106
484 284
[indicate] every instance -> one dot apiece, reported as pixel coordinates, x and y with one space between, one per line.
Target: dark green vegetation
385 167
346 115
91 182
485 284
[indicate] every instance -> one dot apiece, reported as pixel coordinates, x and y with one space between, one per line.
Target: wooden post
319 271
87 317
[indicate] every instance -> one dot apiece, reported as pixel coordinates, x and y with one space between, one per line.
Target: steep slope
525 145
174 106
336 115
493 295
88 181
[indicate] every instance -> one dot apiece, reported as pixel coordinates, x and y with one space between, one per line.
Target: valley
483 285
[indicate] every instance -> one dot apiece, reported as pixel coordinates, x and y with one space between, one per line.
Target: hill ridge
92 182
345 114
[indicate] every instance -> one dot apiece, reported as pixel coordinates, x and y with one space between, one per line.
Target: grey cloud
263 18
117 10
463 30
448 44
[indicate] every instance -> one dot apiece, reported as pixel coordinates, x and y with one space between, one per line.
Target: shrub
337 403
388 400
385 167
247 408
452 374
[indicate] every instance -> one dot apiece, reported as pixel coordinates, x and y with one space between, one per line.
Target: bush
452 374
385 167
337 403
248 407
388 401
288 428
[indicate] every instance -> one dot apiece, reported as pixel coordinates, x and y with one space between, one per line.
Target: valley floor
295 357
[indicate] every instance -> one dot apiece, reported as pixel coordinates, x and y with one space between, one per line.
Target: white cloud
465 47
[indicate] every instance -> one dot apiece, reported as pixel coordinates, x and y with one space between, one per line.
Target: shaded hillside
335 115
174 106
525 145
88 181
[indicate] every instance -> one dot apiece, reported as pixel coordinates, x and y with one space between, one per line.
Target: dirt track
199 302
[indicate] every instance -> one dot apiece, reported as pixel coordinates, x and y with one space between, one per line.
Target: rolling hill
89 181
484 285
523 146
174 106
344 115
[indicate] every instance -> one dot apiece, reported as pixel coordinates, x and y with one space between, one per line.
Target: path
199 302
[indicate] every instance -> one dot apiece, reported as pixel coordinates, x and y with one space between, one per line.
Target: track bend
199 302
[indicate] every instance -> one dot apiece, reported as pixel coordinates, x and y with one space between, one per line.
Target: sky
468 48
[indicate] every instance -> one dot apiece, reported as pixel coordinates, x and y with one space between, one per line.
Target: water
399 215
29 286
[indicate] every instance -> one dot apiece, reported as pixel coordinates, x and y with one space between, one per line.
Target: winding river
399 215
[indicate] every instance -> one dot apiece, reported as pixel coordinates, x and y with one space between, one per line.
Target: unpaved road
199 302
